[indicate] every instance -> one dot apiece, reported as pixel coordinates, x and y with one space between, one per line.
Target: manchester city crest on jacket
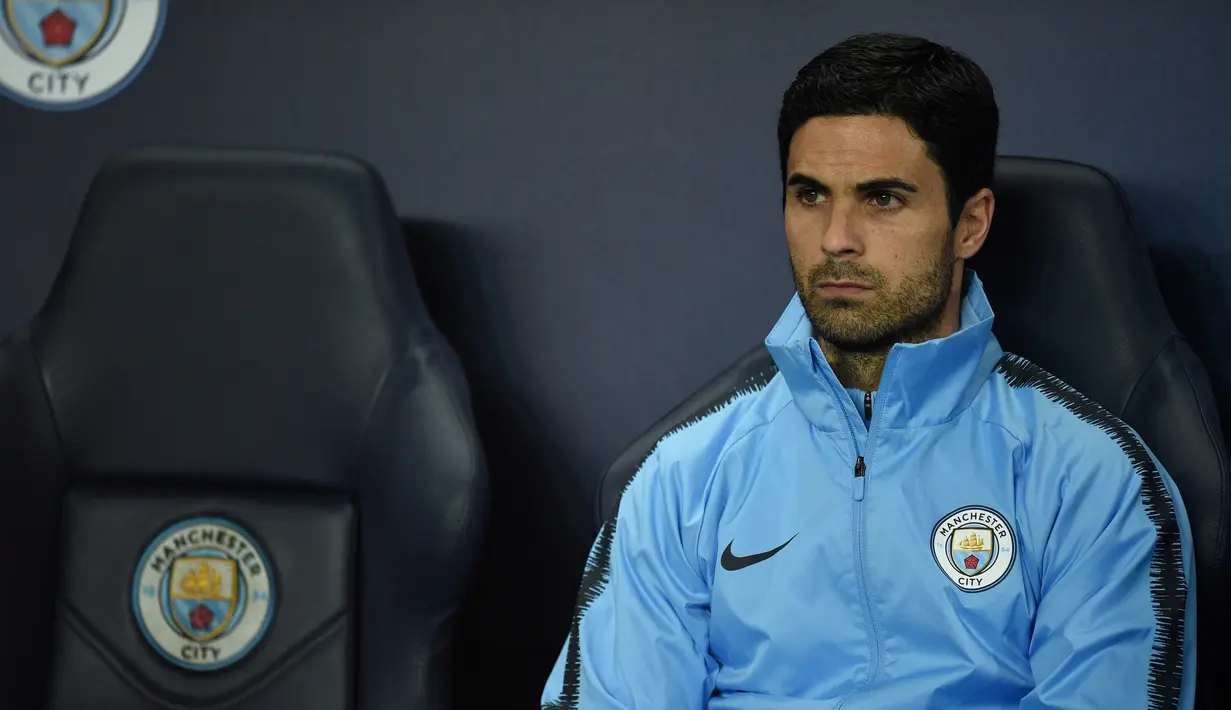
974 547
203 594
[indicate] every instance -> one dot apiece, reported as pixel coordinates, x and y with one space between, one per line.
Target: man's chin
849 332
848 339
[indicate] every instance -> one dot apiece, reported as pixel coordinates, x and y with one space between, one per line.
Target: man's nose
841 237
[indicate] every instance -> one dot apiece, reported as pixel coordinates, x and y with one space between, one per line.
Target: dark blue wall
592 192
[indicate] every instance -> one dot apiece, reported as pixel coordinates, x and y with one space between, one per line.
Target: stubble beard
911 313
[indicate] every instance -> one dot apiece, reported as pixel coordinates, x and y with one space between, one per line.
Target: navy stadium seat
237 459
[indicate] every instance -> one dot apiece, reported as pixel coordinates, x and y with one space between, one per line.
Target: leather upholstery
1073 290
237 335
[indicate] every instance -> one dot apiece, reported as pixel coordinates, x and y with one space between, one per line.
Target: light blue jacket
977 535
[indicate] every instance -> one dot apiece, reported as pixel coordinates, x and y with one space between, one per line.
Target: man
906 516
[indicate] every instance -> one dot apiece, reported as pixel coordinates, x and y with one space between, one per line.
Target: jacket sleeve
1115 624
639 638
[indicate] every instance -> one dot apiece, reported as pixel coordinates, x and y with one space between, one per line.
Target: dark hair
943 96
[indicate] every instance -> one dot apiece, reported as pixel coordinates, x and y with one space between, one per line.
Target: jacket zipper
861 469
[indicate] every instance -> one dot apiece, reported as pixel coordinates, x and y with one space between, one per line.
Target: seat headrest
1070 279
270 289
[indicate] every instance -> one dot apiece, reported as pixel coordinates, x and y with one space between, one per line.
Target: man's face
868 229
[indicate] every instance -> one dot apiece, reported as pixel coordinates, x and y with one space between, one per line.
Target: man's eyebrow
801 180
890 183
874 185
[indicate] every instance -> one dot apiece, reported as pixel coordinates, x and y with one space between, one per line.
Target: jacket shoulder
1057 423
687 456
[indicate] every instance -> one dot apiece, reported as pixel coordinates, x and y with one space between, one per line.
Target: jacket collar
923 384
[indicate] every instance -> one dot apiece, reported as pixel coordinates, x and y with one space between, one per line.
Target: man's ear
973 224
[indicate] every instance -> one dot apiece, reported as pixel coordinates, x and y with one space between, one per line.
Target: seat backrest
237 455
1073 290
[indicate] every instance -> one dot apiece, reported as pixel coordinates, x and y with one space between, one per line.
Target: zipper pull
859 479
867 406
860 468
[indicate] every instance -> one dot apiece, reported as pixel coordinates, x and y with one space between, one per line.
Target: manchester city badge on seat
203 593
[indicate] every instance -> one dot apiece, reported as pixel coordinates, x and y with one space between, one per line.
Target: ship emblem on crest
974 551
204 593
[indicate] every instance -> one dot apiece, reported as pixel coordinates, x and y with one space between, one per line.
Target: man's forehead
858 148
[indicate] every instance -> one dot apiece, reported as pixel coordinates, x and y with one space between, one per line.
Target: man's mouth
843 288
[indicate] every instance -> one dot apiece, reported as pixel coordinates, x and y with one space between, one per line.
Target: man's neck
861 370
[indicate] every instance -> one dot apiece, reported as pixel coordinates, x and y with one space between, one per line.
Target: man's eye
886 200
808 196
